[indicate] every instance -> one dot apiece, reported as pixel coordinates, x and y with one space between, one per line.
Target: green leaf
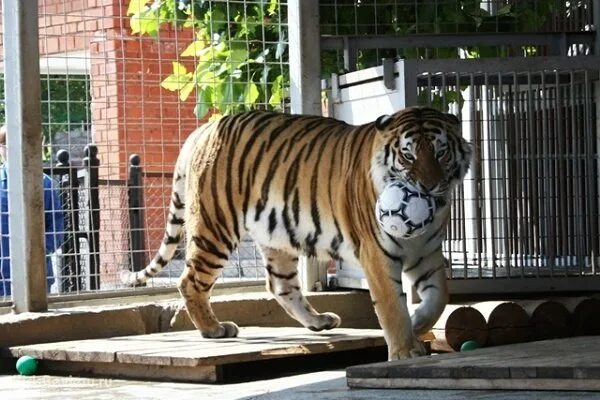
194 49
276 92
204 102
175 82
207 79
146 22
135 24
224 95
179 69
251 93
137 6
178 79
273 6
186 90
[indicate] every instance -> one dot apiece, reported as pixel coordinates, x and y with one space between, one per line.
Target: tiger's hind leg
205 260
428 276
282 281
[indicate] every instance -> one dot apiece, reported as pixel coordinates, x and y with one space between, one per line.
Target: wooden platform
186 356
561 364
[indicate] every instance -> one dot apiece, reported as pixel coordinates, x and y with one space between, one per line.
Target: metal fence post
91 164
305 56
24 140
305 93
136 214
69 184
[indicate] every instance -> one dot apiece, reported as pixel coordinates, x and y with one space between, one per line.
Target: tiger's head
421 146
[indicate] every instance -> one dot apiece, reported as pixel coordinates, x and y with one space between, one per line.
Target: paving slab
559 364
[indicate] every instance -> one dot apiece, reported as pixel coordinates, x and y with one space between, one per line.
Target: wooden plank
205 373
559 364
188 348
477 384
185 355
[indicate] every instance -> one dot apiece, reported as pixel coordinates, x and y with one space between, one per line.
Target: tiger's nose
432 179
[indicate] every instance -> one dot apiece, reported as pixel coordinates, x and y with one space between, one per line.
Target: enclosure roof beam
557 42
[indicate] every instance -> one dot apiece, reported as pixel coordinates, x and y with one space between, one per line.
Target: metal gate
526 217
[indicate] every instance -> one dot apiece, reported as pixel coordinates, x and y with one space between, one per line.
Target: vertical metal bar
304 48
350 54
92 163
532 193
591 192
596 11
476 126
580 173
489 177
26 204
562 169
71 270
519 208
137 240
410 83
574 193
305 92
503 181
596 216
547 179
464 218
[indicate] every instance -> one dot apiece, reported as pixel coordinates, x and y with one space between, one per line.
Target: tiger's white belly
279 237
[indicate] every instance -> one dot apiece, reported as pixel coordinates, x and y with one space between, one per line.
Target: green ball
27 365
469 345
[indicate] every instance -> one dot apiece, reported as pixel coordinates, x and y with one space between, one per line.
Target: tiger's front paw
325 321
417 350
225 329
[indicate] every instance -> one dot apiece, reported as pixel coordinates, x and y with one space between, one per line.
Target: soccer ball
403 211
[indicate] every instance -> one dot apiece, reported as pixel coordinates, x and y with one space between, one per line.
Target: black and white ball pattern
403 211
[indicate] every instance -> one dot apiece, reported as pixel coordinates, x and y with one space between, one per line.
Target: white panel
363 96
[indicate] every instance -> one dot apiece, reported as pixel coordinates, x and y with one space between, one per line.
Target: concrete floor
318 385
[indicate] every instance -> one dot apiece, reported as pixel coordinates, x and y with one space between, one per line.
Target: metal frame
414 75
305 93
558 43
26 214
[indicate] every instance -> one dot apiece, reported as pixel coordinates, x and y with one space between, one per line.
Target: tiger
303 185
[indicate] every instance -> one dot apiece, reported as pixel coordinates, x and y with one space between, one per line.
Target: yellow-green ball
27 365
469 345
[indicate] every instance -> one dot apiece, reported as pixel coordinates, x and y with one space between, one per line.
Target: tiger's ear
453 119
382 121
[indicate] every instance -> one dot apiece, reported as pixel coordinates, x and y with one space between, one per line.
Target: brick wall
130 112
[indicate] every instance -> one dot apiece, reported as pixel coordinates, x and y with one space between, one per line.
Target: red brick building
130 112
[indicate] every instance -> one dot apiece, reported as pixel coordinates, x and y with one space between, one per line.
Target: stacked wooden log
494 323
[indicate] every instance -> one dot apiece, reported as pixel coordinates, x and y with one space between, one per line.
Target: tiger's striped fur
308 185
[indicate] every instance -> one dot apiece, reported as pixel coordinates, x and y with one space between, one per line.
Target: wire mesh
529 207
136 77
366 28
124 77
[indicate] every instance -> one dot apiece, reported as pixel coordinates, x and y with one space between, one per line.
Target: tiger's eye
441 153
408 157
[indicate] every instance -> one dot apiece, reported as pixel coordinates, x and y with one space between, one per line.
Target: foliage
436 17
65 104
238 51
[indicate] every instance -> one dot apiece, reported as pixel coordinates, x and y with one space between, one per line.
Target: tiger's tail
168 246
175 220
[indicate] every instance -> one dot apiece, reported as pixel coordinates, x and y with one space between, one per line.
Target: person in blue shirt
54 222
